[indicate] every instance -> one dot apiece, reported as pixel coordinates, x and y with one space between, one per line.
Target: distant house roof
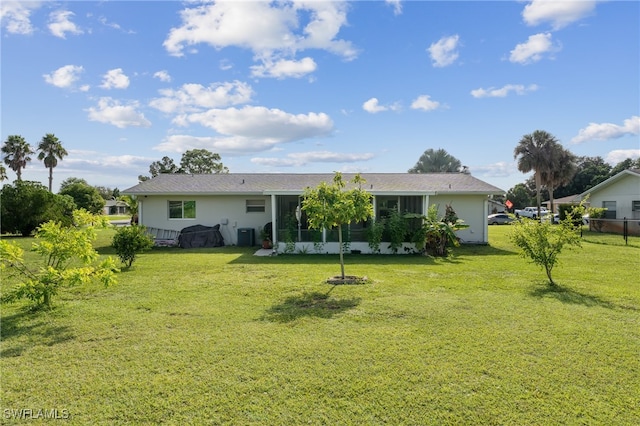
611 180
274 183
569 199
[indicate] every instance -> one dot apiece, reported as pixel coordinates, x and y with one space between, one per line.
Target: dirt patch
348 279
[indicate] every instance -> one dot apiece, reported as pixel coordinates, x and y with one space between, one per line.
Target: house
112 207
244 204
620 195
557 202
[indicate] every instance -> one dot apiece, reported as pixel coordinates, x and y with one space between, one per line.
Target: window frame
184 207
635 205
255 205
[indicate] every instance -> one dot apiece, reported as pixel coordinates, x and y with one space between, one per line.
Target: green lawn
219 336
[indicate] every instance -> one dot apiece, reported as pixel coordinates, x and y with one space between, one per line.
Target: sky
317 86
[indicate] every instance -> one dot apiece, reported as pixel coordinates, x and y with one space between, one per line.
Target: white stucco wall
210 211
470 208
624 191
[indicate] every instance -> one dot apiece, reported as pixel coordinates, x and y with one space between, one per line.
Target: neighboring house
557 202
620 195
113 207
247 203
496 207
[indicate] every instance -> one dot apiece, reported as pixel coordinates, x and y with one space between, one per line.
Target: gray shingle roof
275 183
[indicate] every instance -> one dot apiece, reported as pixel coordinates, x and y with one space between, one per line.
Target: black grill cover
200 236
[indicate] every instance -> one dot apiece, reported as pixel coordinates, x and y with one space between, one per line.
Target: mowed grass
219 336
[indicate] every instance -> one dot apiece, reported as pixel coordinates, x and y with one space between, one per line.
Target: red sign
509 204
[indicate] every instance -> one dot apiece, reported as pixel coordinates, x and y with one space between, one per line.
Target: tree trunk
341 254
537 178
50 178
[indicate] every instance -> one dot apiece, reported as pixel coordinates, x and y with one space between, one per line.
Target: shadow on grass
27 329
567 295
316 304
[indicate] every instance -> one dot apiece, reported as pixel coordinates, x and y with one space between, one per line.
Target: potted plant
266 240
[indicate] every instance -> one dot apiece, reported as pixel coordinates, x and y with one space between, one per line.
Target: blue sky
317 86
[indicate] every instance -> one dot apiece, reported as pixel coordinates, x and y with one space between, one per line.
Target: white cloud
250 129
115 79
195 97
112 112
269 29
606 131
533 49
15 16
162 76
397 6
618 155
284 68
91 159
373 106
503 91
499 169
425 103
558 13
60 23
65 76
304 158
444 51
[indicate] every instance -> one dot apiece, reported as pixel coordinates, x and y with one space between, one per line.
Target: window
182 209
635 205
611 209
255 206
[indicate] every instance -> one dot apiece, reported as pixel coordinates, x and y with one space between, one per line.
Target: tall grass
219 336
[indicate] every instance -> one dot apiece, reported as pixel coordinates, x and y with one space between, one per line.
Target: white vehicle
531 212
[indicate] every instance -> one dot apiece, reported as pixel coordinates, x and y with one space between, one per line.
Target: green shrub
129 241
374 234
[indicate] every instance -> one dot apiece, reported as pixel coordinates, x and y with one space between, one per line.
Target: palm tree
16 152
560 170
533 153
51 150
439 161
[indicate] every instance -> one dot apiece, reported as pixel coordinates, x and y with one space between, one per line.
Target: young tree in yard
329 206
68 259
542 242
129 241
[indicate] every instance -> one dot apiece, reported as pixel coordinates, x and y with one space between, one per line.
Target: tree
129 241
3 173
198 161
26 205
439 161
71 181
329 206
542 242
50 151
520 196
85 196
166 165
16 151
533 154
625 165
560 169
68 258
590 171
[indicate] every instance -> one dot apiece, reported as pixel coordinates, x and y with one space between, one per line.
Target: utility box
246 237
